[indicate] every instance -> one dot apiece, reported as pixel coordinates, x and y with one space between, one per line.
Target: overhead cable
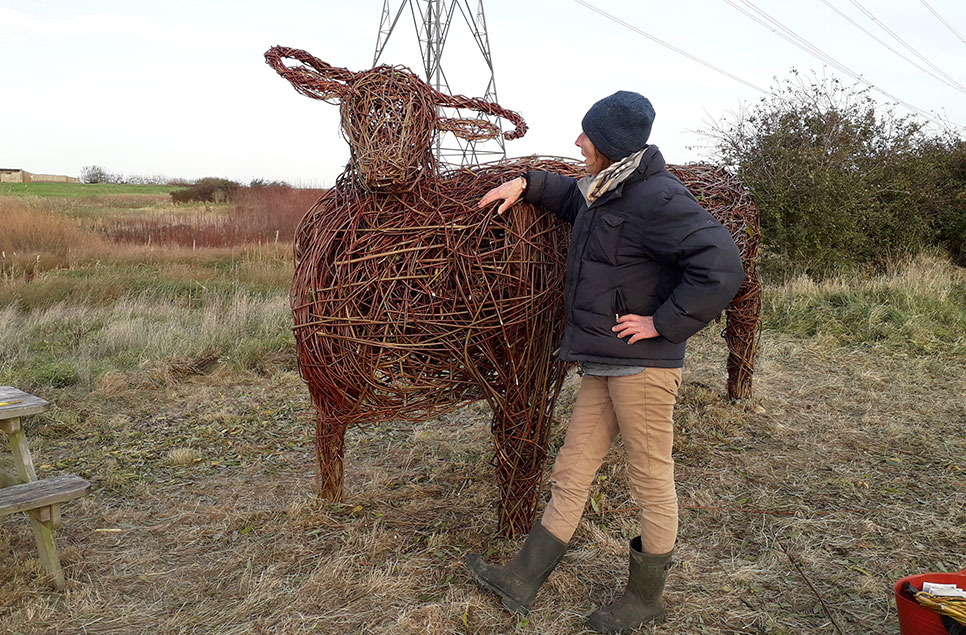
670 46
946 24
904 43
886 44
781 30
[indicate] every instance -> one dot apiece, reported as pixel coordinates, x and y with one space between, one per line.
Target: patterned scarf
593 187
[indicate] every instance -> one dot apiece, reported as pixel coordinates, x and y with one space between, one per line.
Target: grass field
171 370
81 190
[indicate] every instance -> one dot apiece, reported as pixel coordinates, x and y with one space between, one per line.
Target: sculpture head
389 117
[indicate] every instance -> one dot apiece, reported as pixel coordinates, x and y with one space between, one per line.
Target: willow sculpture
723 195
407 300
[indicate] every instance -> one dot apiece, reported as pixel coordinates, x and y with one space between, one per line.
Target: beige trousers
639 408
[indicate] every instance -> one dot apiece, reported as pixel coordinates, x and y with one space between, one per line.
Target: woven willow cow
409 302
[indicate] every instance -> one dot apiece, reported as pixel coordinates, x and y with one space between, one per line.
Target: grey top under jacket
597 369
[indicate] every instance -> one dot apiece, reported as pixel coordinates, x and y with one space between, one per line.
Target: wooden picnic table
40 499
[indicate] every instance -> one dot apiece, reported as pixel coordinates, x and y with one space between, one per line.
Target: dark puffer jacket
647 247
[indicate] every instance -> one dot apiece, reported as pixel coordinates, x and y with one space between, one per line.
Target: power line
432 21
946 24
904 43
670 46
885 44
789 35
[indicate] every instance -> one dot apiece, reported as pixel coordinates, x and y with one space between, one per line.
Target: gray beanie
619 125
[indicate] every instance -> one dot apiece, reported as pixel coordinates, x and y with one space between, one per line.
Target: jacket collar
593 187
651 163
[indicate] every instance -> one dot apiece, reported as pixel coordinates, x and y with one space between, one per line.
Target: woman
648 267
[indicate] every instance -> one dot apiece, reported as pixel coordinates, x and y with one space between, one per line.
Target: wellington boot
642 602
518 581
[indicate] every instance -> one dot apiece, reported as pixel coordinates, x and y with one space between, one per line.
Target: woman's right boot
643 601
518 581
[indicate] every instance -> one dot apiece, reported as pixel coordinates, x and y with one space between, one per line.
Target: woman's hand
639 327
509 191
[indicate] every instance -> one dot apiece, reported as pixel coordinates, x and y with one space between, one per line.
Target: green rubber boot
642 602
518 581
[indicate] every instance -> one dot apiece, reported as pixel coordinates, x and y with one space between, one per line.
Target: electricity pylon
433 19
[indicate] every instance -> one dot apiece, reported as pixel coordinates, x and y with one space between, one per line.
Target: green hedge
210 190
842 182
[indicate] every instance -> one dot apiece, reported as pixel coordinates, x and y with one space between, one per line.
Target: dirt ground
800 507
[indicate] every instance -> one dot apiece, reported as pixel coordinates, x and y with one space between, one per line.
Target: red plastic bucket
919 620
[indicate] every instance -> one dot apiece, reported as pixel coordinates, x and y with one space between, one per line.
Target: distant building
17 175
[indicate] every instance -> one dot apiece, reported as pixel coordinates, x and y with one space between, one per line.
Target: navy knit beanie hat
619 125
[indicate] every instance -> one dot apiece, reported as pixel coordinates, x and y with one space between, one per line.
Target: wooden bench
40 499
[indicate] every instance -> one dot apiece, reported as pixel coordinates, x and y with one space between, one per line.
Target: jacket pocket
606 237
620 304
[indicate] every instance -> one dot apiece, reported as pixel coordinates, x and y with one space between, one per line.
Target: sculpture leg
329 450
742 334
521 430
519 465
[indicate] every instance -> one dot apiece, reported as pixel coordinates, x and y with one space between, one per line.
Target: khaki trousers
639 408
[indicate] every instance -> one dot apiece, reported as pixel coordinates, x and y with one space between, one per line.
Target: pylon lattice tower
433 19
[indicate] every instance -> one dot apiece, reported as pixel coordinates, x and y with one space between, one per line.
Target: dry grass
259 216
202 518
88 347
32 233
47 236
178 401
919 307
30 228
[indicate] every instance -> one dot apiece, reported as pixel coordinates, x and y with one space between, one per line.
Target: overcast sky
181 89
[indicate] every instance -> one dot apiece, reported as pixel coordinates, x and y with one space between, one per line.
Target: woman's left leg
644 404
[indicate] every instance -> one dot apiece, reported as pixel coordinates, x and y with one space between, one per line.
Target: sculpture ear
476 129
314 78
469 129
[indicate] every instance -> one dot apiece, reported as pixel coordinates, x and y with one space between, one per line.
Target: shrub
97 174
262 183
207 190
840 182
146 179
92 174
946 193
